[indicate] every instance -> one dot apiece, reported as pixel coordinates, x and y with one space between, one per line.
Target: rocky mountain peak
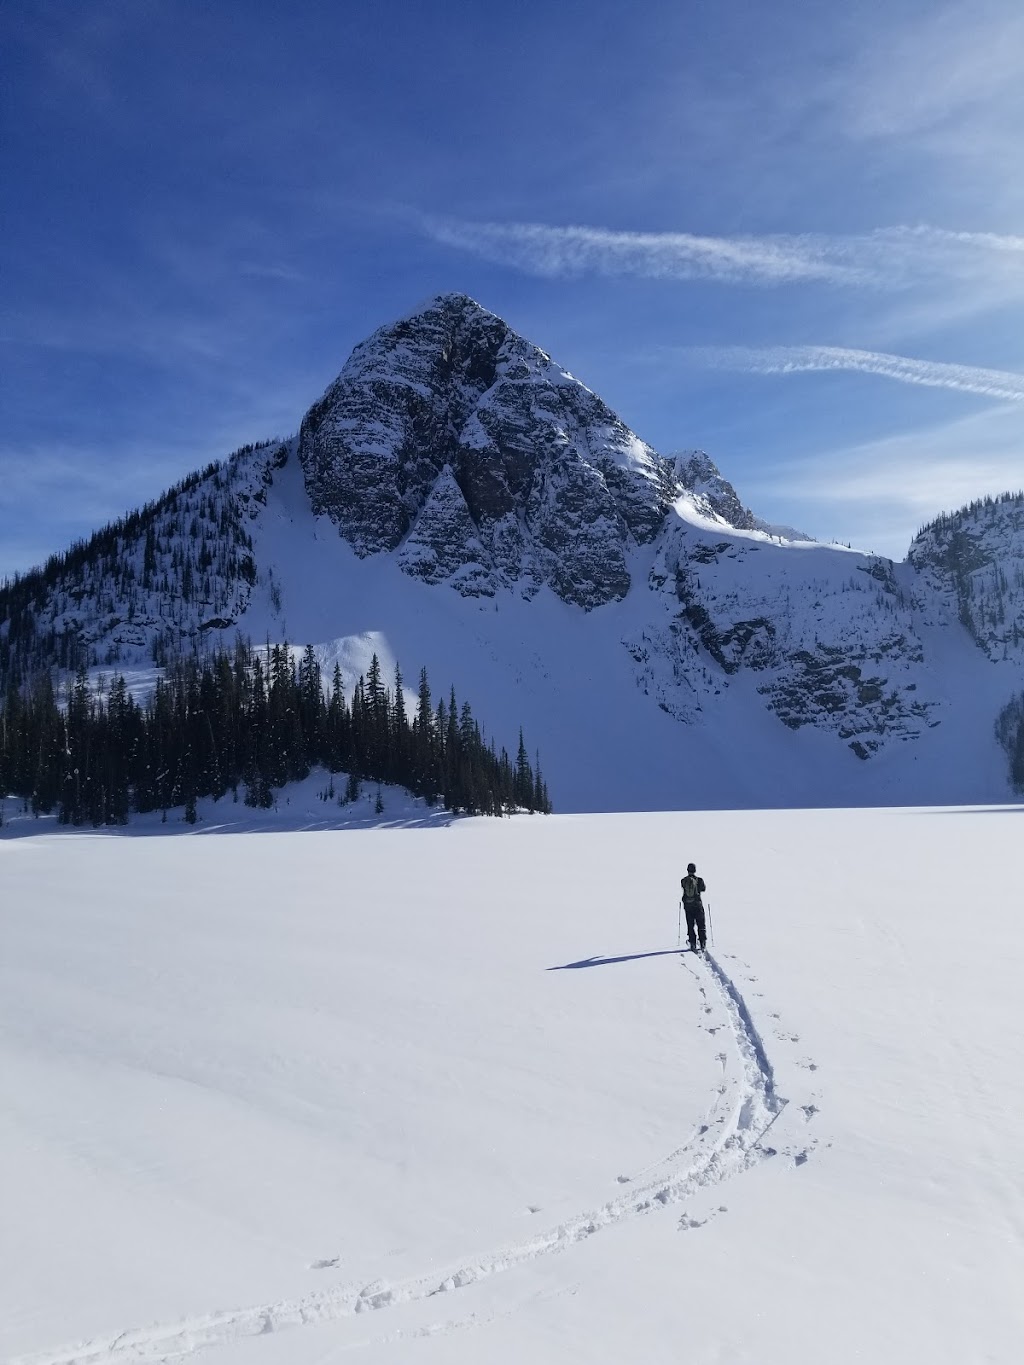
555 486
450 340
697 472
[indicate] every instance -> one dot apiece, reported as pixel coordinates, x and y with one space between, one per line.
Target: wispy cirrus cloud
540 249
1001 384
877 493
896 257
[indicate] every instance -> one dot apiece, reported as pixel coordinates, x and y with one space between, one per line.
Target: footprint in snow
325 1264
809 1111
688 1221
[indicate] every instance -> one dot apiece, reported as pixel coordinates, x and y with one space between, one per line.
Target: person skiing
693 887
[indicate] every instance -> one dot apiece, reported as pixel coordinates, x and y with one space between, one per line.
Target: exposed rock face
699 474
834 650
971 567
443 543
553 488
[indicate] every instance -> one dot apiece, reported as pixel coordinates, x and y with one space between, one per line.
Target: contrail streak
894 257
1004 384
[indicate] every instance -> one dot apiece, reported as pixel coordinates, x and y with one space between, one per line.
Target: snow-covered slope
450 1095
157 580
464 503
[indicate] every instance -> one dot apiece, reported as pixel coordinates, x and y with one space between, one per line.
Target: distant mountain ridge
971 561
455 490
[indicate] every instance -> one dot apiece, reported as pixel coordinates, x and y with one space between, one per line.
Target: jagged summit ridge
556 487
697 472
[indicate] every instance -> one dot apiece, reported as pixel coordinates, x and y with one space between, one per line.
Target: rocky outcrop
828 636
970 567
699 475
555 487
444 545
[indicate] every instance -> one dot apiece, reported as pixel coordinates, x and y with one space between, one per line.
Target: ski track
706 1159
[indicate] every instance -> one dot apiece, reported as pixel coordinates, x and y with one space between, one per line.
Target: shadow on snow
607 961
150 826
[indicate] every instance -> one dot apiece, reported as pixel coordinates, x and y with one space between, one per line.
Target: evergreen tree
400 735
523 789
250 718
424 766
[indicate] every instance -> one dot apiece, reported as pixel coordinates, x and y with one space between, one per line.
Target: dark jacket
693 889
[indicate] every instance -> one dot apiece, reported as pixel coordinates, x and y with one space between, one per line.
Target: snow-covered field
449 1094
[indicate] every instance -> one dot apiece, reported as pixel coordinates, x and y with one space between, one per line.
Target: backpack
690 889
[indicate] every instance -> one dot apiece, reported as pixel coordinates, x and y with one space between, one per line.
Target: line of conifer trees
251 718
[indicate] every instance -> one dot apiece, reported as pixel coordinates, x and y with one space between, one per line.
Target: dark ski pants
695 923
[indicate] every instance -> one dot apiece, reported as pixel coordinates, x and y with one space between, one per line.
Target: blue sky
789 234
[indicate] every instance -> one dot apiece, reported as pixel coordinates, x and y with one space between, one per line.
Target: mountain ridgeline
457 496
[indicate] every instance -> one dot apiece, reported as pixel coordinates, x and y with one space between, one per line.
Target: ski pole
679 925
711 927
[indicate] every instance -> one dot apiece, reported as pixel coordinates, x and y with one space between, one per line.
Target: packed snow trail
763 1105
726 1143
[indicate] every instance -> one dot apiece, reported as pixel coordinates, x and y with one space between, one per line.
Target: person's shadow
607 961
